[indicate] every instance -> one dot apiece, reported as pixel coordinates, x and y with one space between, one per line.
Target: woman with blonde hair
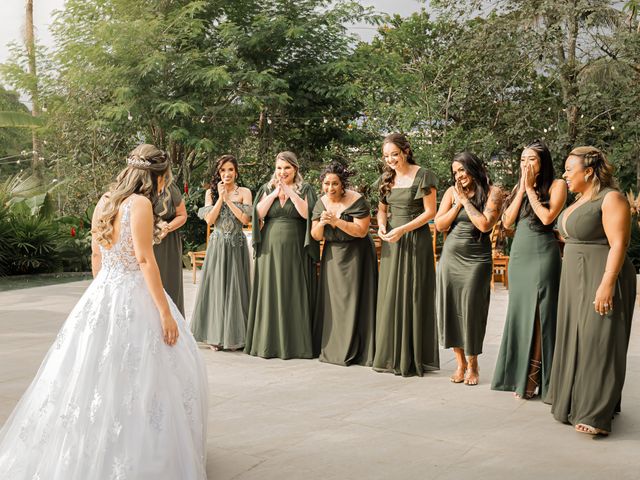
280 322
596 299
123 390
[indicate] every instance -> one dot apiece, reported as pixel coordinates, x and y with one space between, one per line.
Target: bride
122 393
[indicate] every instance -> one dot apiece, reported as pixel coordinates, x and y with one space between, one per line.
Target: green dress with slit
534 279
222 302
589 361
346 306
464 286
169 251
280 321
406 335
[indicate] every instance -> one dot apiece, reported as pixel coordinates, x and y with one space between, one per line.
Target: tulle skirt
111 400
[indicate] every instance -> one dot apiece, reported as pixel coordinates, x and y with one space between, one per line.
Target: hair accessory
138 162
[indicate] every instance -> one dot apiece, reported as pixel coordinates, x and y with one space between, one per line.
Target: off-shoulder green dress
168 252
464 286
534 279
280 321
590 357
222 302
406 335
346 306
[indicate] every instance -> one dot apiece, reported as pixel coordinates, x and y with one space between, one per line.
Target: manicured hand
394 235
603 303
222 192
529 178
169 329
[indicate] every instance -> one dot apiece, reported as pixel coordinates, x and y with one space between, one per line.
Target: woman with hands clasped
123 390
469 210
284 285
222 303
346 306
526 350
596 299
406 335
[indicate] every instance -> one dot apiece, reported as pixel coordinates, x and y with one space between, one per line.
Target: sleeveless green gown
534 279
589 361
222 301
406 335
346 306
169 251
464 287
280 321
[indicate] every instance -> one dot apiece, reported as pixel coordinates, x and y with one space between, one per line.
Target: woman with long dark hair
170 207
222 303
280 322
346 306
406 335
526 351
596 299
469 210
123 389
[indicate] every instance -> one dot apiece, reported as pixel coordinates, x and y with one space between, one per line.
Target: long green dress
464 286
406 335
222 302
169 251
534 279
280 321
346 306
589 361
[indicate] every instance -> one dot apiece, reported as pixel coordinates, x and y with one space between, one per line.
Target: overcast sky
12 19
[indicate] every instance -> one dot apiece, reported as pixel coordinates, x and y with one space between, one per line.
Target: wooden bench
500 267
197 256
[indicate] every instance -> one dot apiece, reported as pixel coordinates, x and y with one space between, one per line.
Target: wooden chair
197 257
500 269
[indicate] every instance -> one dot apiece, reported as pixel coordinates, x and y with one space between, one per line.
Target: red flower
73 231
186 188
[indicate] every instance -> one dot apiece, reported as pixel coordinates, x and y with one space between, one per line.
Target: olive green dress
534 279
346 306
222 302
406 335
169 251
280 321
464 286
589 362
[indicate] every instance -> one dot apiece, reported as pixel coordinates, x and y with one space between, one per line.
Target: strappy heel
533 379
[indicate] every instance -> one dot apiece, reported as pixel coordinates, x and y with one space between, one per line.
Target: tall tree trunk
30 41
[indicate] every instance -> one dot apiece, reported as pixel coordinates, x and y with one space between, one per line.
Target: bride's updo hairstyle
145 164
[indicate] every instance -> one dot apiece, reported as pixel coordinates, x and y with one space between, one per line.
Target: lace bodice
227 227
121 256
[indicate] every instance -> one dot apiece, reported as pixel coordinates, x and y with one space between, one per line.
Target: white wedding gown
112 401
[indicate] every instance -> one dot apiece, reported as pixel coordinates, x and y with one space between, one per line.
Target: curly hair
216 178
338 169
145 164
602 169
388 174
476 169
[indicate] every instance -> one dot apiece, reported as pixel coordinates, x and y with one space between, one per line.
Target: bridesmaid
346 307
169 206
596 300
222 302
468 210
284 284
406 336
526 351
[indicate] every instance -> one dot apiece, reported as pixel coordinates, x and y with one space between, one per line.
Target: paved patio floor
301 419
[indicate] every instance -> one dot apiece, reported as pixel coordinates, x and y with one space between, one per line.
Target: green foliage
33 242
